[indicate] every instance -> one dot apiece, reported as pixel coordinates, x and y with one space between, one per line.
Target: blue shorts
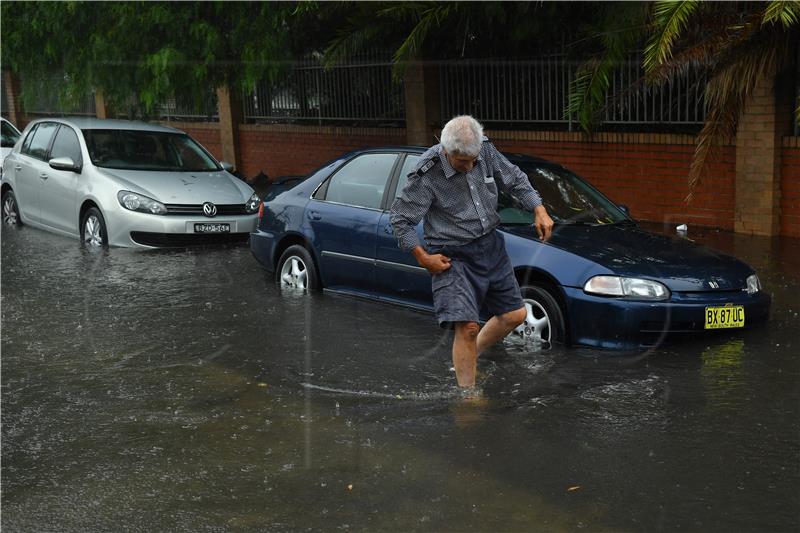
479 282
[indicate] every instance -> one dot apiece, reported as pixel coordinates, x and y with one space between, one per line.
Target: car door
30 166
397 273
343 215
58 192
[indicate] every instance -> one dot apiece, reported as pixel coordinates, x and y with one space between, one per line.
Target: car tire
93 229
11 215
296 269
545 317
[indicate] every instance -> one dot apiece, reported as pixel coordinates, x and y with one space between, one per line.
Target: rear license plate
212 228
729 316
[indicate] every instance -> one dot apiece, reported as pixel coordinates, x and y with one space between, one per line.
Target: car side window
408 165
41 140
67 145
26 145
361 182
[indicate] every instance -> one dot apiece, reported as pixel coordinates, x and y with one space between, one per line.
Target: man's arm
407 210
516 182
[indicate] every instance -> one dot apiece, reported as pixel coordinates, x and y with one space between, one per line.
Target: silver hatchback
122 183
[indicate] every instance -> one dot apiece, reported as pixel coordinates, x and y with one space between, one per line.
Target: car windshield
10 135
568 199
147 150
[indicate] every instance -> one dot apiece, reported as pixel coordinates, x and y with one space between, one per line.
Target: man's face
459 162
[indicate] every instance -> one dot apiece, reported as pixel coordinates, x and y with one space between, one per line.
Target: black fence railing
535 92
362 92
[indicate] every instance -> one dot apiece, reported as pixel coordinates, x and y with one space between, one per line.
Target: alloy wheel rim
536 327
294 273
92 234
10 211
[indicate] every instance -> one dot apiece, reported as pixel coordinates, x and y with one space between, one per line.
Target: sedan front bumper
621 324
134 229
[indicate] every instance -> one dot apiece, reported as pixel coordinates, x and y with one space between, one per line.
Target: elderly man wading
455 187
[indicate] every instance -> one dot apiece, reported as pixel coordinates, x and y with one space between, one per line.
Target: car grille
197 209
181 240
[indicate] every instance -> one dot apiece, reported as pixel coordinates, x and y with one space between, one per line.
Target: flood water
183 391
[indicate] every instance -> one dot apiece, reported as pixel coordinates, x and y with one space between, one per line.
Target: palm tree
737 43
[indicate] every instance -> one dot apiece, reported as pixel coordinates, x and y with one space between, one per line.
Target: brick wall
280 150
790 187
646 172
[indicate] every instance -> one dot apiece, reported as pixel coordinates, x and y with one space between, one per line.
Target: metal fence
42 100
182 109
361 91
536 91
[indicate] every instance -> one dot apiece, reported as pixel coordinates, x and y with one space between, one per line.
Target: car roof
513 157
90 123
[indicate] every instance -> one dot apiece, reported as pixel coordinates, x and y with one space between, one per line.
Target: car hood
681 264
183 187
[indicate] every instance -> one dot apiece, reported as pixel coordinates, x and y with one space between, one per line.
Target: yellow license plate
729 316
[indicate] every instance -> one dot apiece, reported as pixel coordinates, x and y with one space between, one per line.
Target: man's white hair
462 135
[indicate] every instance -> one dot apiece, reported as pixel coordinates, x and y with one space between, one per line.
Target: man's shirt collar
449 171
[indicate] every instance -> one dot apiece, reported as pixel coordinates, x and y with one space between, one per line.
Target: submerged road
183 391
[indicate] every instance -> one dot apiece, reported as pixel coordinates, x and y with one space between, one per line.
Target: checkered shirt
457 207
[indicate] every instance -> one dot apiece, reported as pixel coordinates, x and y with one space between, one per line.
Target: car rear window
147 150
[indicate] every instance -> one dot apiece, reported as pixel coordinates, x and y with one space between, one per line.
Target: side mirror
64 163
227 167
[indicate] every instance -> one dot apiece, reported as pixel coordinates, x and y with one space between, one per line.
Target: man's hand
543 223
433 263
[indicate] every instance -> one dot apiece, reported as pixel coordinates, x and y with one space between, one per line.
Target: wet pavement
183 391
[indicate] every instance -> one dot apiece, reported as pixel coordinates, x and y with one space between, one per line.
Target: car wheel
545 320
11 210
296 269
93 229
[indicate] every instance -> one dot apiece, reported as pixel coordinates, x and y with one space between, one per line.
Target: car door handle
388 230
313 215
17 167
43 176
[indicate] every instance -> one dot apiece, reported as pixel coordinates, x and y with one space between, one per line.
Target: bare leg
498 327
465 352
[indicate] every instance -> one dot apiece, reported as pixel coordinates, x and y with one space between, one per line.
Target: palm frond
728 89
670 19
787 12
349 42
431 18
587 91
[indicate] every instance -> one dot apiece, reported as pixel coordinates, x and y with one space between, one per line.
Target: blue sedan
600 281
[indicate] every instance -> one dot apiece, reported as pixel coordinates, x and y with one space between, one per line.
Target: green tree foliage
149 50
447 30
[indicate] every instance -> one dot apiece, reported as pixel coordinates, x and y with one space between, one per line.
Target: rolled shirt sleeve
515 181
408 209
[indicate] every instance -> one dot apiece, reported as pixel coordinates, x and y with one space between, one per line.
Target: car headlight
137 202
634 288
753 284
252 204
